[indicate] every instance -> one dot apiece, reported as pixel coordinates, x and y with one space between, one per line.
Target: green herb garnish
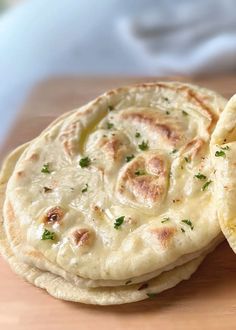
129 158
182 229
151 295
47 235
220 153
184 113
200 176
225 148
139 172
165 220
85 162
188 222
110 108
143 146
118 222
187 159
85 188
45 168
174 151
137 135
206 185
110 125
167 112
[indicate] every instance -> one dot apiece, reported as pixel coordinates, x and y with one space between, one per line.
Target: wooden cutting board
206 301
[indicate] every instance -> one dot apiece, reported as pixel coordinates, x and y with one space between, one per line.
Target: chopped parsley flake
129 158
139 172
110 108
85 188
45 168
200 176
165 220
206 185
225 148
187 159
188 222
184 113
118 222
85 162
110 125
151 295
182 229
166 99
137 135
143 146
174 151
47 235
167 112
220 153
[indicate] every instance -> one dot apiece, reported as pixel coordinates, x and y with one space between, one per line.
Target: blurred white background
43 38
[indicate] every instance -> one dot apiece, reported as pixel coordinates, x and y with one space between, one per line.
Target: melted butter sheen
159 182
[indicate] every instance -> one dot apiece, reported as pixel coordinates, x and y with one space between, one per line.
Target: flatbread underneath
223 151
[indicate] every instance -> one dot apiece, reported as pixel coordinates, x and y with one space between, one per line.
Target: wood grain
206 301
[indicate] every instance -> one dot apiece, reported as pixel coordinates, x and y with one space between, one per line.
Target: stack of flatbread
117 201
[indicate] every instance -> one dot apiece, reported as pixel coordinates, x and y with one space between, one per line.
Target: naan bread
114 217
64 289
223 151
